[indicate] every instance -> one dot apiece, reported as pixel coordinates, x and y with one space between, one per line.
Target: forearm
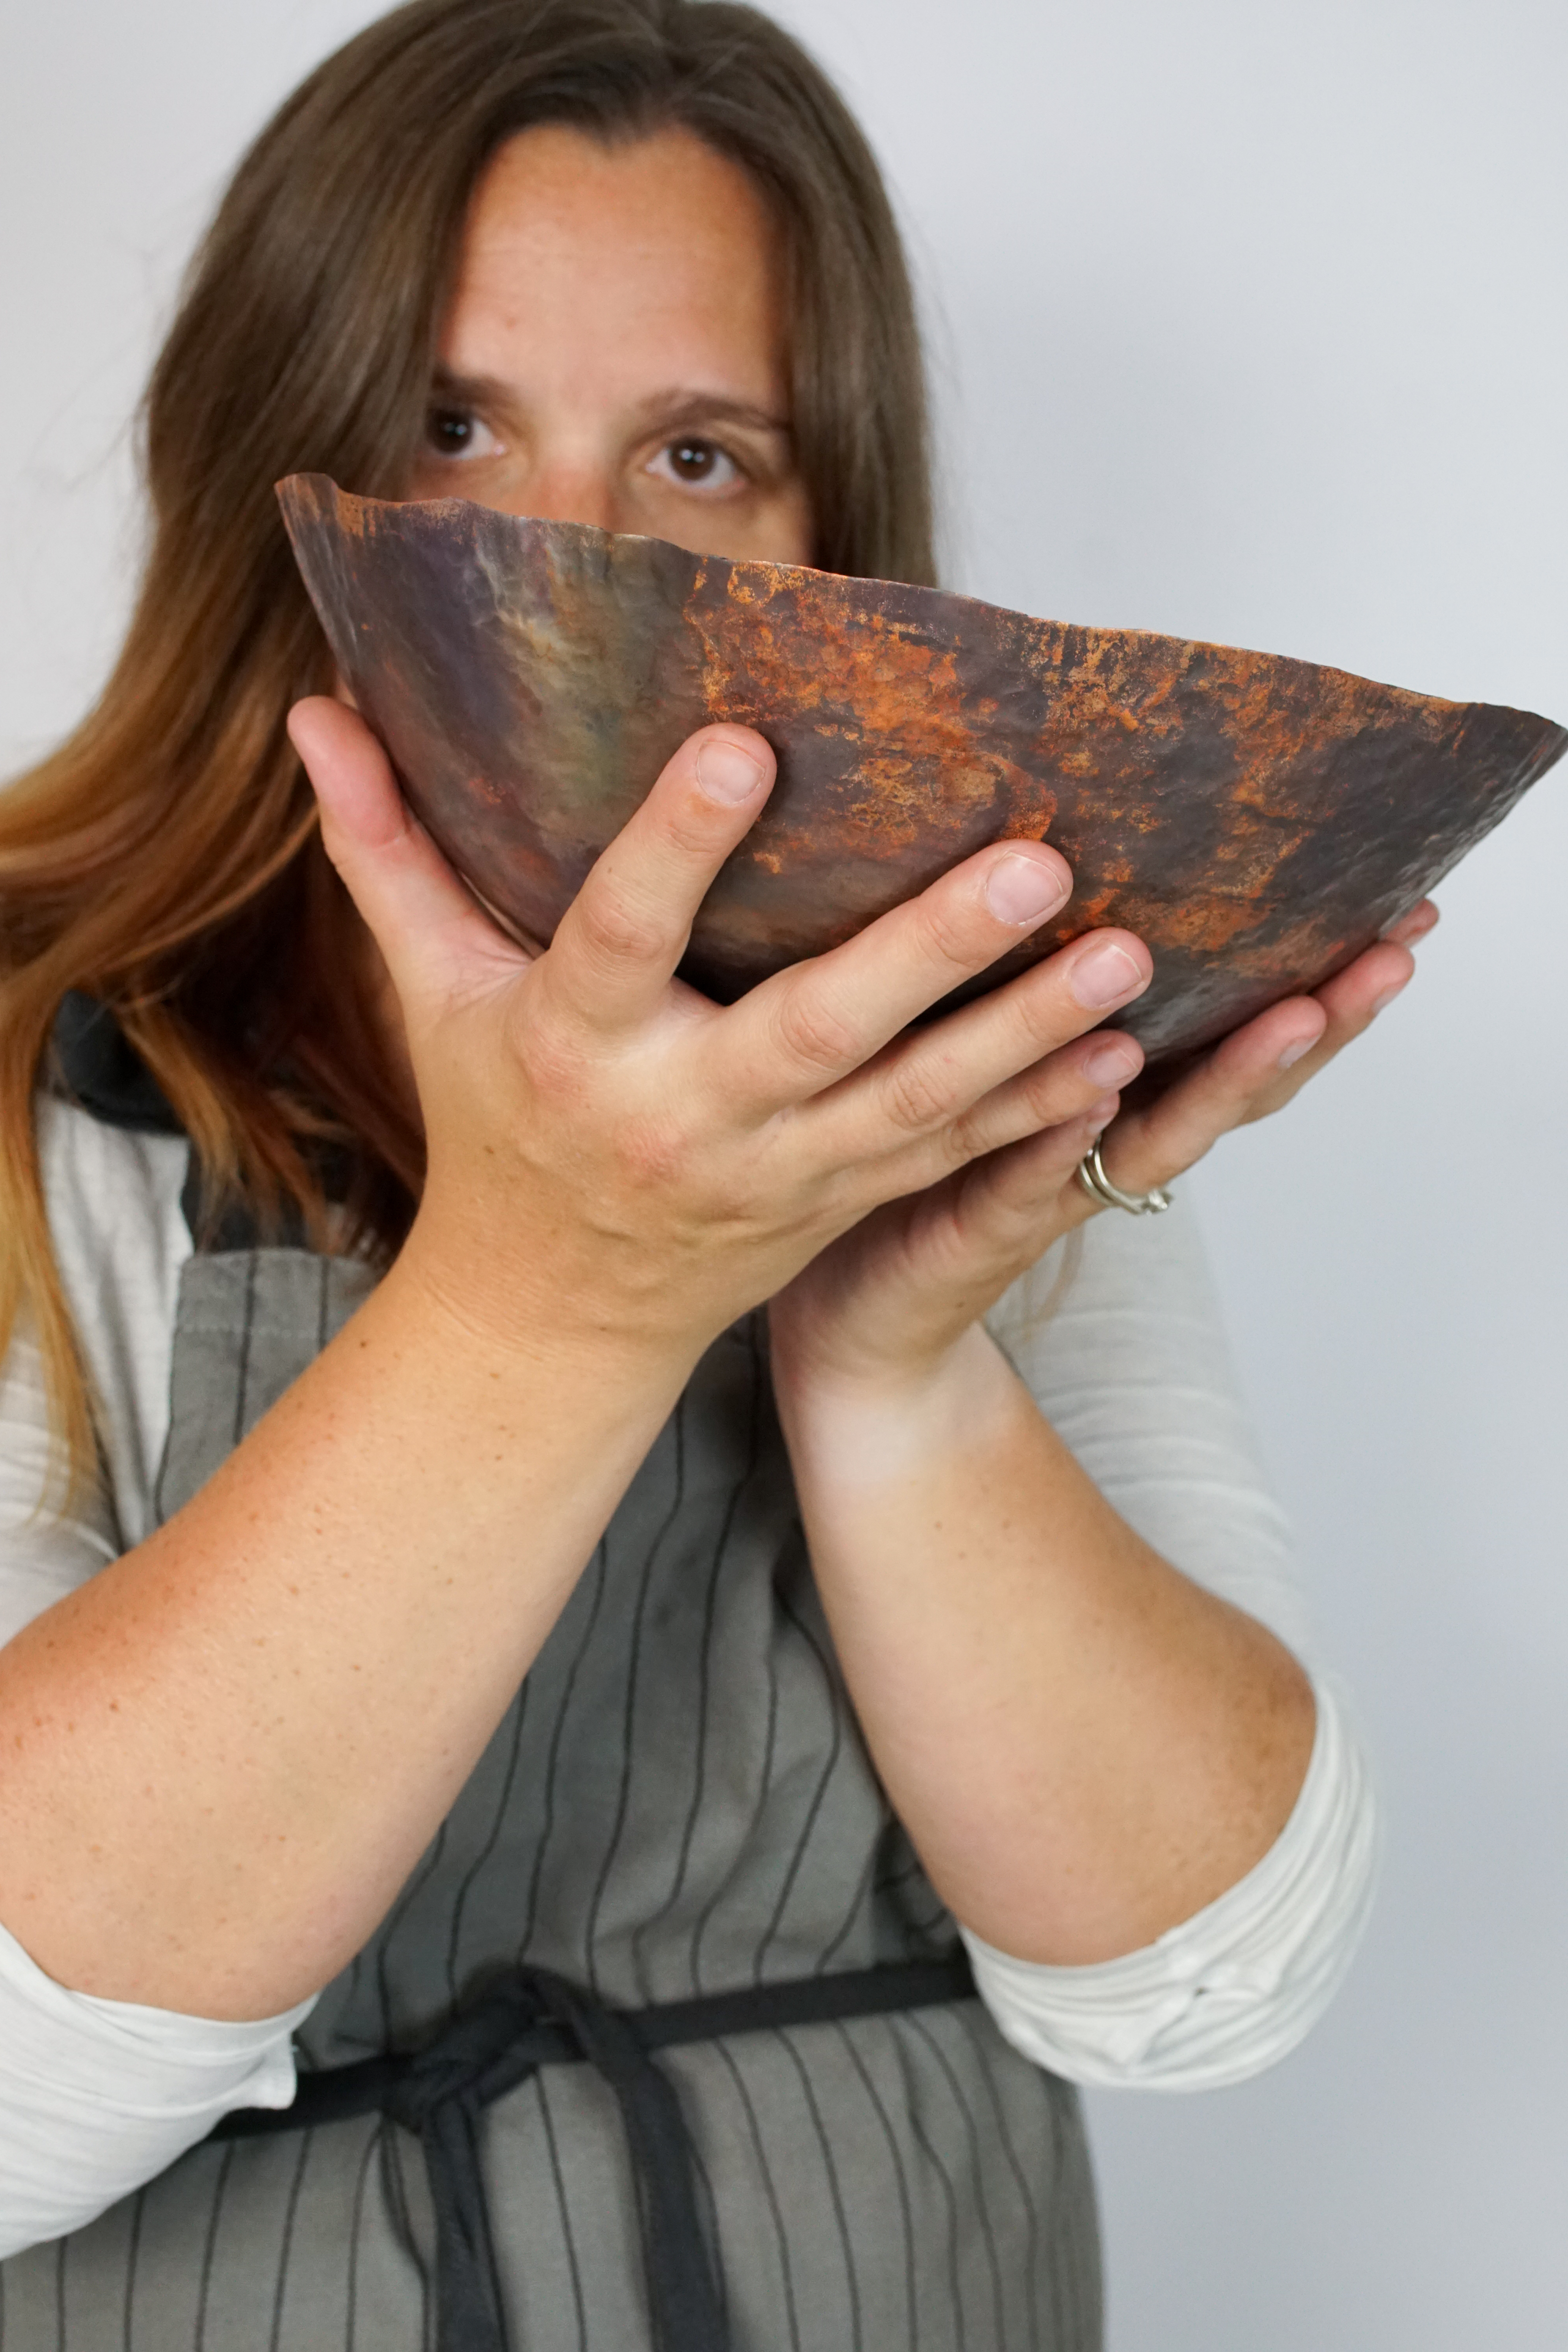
1085 1746
226 1752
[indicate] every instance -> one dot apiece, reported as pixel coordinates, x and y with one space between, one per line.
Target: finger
1059 1093
428 927
1150 1146
1015 1191
917 1094
1349 1003
983 1226
801 1032
1414 926
809 1027
617 946
1255 1071
1028 1031
1008 1163
1354 997
1020 1115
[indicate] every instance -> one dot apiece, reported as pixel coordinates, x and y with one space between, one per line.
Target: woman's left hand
888 1300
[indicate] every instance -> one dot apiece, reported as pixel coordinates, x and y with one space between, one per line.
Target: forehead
657 240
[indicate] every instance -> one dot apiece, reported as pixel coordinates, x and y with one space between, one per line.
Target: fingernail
1105 975
727 774
1113 1064
1292 1054
1389 996
1023 889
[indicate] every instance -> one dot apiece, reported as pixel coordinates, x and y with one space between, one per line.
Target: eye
696 464
458 433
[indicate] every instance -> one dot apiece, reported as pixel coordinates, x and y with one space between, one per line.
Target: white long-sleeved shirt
97 2097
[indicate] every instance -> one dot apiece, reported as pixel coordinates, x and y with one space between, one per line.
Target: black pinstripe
307 2140
835 2193
563 2208
763 1794
854 1912
362 1965
1057 2155
556 1737
1005 2142
395 2182
372 2155
944 2182
813 1810
138 2205
324 1305
629 1722
419 1878
917 2025
932 1915
209 2250
699 1760
900 2178
471 1875
764 1791
247 1334
770 2191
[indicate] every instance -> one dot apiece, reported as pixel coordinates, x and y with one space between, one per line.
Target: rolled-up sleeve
1119 1341
100 2095
97 2097
1231 1990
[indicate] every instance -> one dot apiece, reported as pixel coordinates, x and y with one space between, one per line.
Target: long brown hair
164 860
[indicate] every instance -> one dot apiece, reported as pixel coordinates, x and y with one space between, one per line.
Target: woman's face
615 351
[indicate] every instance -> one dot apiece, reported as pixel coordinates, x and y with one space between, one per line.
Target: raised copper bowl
1256 821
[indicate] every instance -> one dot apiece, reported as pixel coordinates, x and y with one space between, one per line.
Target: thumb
431 932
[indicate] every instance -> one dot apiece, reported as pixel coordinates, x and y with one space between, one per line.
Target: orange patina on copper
1257 820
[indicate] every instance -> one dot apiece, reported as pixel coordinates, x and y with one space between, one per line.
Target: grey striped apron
678 1803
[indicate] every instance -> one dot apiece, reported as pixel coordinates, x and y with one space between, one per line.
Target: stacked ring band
1098 1185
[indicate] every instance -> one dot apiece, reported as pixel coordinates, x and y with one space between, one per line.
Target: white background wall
1249 323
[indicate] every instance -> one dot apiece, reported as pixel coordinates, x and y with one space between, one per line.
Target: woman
381 1273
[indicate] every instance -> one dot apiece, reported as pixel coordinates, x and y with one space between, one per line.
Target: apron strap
534 2019
682 2300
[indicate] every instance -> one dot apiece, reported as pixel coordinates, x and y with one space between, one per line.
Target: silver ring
1098 1185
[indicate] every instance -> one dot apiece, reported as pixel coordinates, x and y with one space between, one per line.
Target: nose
564 493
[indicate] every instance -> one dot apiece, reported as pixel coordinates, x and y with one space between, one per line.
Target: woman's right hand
601 1134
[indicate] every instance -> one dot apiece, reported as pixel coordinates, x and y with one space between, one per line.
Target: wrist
483 1316
869 1423
519 1287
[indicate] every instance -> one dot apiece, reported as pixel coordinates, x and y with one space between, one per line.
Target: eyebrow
680 406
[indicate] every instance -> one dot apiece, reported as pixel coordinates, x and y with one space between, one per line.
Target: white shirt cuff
1231 1990
99 2097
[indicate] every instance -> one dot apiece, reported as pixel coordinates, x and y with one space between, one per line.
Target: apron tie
535 2017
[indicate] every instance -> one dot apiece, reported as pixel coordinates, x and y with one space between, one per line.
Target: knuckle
614 928
1043 1098
693 827
813 1033
653 1151
553 1065
950 933
965 1139
1041 1022
915 1097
